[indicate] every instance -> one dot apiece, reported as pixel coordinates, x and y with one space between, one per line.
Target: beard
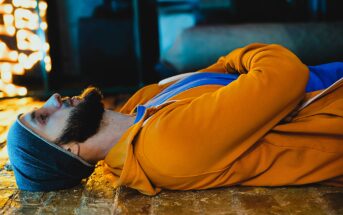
85 119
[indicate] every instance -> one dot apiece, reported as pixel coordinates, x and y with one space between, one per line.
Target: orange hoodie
212 136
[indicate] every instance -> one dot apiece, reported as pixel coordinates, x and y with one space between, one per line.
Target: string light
23 20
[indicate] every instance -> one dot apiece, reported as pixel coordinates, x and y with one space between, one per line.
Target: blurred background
122 45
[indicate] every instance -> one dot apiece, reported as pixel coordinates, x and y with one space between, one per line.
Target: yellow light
25 3
42 5
16 3
8 8
2 49
42 13
48 67
46 47
13 55
6 75
47 59
25 19
22 58
8 20
10 31
10 89
18 69
5 67
26 40
29 61
21 20
44 26
22 91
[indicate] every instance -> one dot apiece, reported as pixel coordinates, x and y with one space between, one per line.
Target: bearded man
257 117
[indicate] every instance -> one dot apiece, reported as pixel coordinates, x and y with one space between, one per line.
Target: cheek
56 124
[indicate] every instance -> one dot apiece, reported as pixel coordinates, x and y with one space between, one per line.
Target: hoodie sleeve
231 119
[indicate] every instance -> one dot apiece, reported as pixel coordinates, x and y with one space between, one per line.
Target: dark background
117 44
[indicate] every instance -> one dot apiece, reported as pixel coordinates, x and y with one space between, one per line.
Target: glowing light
42 5
18 69
25 3
46 47
13 55
10 90
44 26
2 49
6 8
42 13
22 58
48 67
22 91
8 20
25 19
6 75
5 67
10 31
47 59
28 40
25 49
6 53
29 61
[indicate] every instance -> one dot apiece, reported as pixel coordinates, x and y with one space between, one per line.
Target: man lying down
236 122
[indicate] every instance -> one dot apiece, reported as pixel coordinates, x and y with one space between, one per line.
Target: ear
72 147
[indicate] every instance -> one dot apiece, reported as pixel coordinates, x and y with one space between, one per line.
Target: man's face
49 120
66 117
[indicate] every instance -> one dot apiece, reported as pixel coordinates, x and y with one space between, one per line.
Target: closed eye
43 117
40 118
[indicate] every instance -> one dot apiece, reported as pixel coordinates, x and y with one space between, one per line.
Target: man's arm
233 118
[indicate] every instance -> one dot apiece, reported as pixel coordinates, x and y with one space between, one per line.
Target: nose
54 101
51 105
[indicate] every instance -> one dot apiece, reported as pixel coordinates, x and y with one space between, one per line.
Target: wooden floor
96 196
